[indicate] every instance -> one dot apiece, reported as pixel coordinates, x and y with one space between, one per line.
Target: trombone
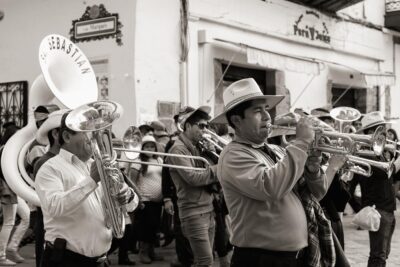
162 164
217 141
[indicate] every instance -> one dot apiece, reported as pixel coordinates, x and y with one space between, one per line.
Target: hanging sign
95 24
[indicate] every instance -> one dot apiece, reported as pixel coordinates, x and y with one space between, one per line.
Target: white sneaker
14 256
6 262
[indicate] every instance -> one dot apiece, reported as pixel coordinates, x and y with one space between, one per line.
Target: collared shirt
266 213
71 204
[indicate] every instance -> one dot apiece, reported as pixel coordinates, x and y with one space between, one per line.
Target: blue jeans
199 230
379 242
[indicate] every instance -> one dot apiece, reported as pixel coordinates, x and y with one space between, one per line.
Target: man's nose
266 116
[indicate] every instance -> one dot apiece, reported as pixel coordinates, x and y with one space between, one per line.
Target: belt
79 257
259 251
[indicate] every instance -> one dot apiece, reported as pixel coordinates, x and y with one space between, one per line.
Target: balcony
330 6
392 17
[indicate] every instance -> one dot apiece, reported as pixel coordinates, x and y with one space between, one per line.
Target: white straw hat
372 119
242 91
52 122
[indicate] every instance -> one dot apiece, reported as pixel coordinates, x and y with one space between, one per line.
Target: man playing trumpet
261 185
378 190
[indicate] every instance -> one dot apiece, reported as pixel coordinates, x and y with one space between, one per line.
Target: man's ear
55 133
66 136
187 126
236 119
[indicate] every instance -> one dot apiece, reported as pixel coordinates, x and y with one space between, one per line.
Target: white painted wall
395 92
26 22
219 21
368 10
156 55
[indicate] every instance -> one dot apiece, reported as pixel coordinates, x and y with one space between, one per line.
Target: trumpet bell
60 58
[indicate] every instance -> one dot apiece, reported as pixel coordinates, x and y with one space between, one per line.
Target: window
356 98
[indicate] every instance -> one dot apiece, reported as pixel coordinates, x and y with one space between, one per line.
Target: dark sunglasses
202 126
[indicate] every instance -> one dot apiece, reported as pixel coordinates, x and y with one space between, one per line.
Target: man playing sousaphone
71 199
266 186
378 190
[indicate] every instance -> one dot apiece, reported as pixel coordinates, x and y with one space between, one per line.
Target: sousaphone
67 80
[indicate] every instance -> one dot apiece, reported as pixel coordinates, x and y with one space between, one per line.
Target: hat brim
52 122
373 125
205 109
160 133
271 101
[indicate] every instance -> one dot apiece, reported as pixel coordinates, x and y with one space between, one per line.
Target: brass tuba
95 119
68 81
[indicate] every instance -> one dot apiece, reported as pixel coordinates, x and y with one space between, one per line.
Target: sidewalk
356 247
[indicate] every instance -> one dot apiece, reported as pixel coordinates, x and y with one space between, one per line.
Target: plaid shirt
321 249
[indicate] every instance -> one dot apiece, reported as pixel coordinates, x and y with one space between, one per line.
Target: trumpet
388 167
348 144
342 143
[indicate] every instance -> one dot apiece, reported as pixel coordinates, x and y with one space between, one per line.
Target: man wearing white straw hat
77 228
378 190
260 184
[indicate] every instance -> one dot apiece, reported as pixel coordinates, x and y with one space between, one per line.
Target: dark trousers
39 236
53 258
182 245
337 227
380 241
221 239
244 257
122 244
147 221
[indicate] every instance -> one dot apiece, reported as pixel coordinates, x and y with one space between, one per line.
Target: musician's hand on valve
336 162
207 145
125 194
314 160
304 130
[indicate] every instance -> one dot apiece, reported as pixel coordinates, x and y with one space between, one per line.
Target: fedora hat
159 128
242 91
372 119
321 113
184 116
53 121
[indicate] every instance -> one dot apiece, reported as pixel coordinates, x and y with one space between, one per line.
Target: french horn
67 80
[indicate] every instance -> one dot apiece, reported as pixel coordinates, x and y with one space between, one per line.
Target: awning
281 62
348 76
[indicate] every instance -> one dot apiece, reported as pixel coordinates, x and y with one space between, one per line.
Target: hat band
241 99
374 124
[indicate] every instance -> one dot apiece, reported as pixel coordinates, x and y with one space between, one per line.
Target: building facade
185 52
